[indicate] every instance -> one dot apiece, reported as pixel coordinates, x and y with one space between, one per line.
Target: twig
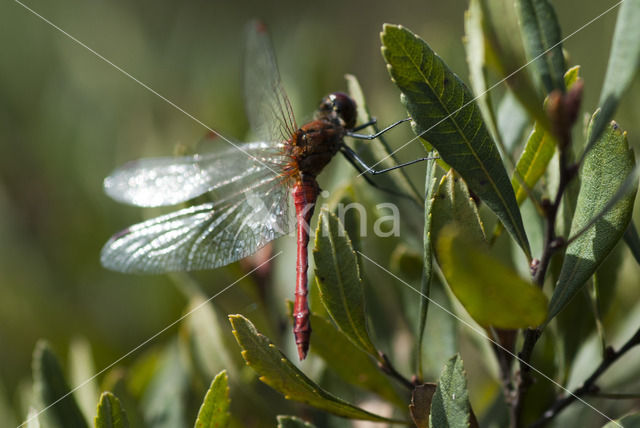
386 366
589 386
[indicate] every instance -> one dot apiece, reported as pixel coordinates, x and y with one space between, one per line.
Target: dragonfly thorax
314 144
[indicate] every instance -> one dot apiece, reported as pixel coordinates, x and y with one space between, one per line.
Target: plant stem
386 366
589 386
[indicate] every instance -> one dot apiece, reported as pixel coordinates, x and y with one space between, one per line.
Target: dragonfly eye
340 108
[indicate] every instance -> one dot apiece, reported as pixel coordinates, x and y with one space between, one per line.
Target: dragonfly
250 186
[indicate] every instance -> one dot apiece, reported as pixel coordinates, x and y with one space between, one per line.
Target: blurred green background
68 118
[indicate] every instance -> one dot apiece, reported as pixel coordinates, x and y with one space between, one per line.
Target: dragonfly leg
364 168
357 163
373 121
377 134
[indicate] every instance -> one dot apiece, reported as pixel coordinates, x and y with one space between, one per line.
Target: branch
589 386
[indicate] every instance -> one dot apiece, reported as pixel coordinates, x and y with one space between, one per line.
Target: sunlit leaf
605 169
624 62
450 404
50 387
542 41
82 371
476 56
293 422
279 373
513 120
110 413
214 411
349 362
420 406
506 55
445 114
32 420
492 293
338 278
427 256
453 203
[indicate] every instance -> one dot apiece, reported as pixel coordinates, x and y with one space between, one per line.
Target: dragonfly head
339 108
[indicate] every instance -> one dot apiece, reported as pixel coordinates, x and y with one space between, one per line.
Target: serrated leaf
542 41
629 421
475 49
445 114
110 413
605 168
214 411
349 362
338 279
450 404
50 387
624 62
632 240
492 293
427 257
452 203
279 373
420 406
293 422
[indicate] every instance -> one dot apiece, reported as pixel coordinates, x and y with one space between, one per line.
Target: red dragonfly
250 184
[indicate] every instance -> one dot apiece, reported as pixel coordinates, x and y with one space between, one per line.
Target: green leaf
349 362
629 421
542 41
445 114
605 168
513 120
164 399
506 55
50 387
427 257
110 413
632 240
624 62
214 411
492 293
474 46
279 373
33 420
450 404
82 371
292 422
452 203
338 279
420 407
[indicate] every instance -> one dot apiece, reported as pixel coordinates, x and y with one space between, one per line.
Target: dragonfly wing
204 236
268 107
153 182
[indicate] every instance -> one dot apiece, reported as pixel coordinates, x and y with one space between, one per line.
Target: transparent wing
153 182
268 107
204 236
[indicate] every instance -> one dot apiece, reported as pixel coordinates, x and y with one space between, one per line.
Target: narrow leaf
279 373
338 279
50 387
513 120
445 114
492 293
214 411
450 404
420 406
349 362
629 421
81 368
453 203
624 62
110 413
475 48
32 420
542 41
633 241
427 256
293 422
605 168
